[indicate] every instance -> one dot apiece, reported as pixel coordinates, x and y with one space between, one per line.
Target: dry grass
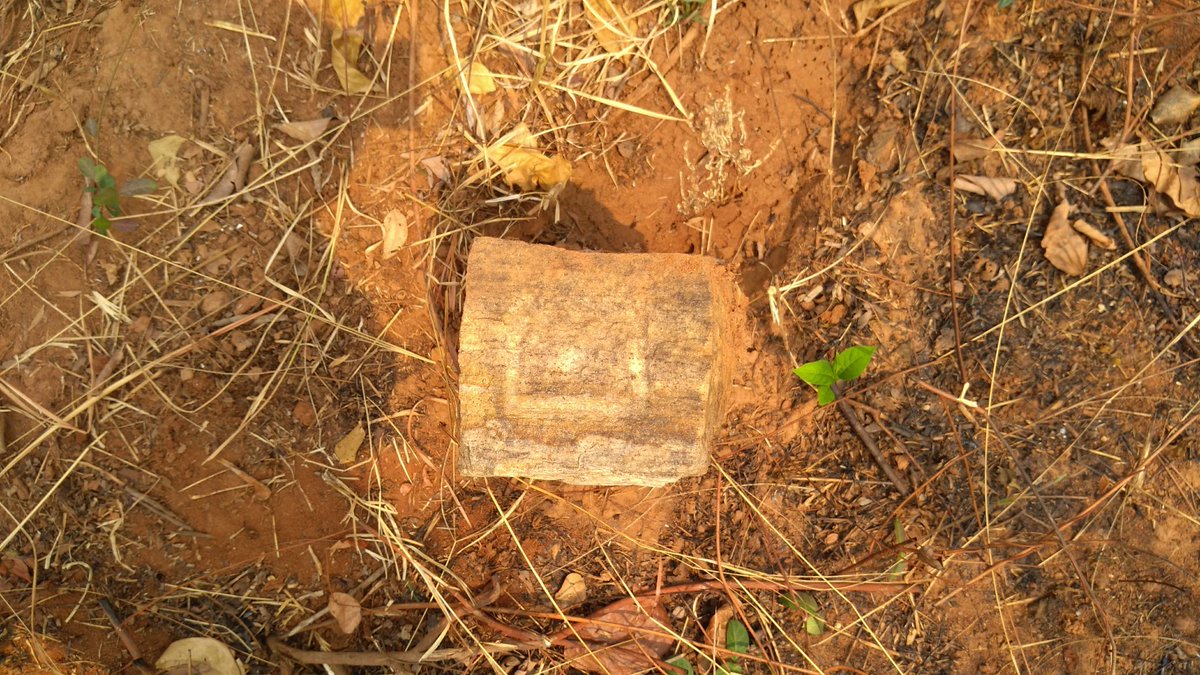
1015 494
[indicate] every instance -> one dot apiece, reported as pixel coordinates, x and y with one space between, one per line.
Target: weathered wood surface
593 368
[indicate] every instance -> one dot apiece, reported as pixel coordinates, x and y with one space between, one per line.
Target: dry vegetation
234 417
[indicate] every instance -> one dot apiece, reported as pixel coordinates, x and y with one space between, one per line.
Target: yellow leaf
480 80
344 55
164 162
346 449
613 30
344 13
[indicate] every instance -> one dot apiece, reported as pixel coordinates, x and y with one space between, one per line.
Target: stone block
593 368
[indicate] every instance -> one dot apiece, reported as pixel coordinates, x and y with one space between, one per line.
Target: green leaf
825 395
110 199
789 601
898 531
816 373
682 664
90 168
814 625
1004 4
104 180
737 638
851 363
897 570
138 186
101 225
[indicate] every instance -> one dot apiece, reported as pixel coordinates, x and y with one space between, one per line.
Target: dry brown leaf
234 178
438 168
967 149
1091 232
164 160
344 13
1154 166
996 188
865 10
395 233
525 167
1188 154
573 590
613 29
306 131
345 46
1176 106
199 656
346 450
1065 248
612 648
346 611
480 80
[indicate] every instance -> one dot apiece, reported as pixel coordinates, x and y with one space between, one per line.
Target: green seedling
681 665
846 367
106 198
814 622
900 567
737 640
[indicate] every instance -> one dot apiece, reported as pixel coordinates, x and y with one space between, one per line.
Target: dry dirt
179 401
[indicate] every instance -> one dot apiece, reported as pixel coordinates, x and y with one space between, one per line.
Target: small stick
876 454
130 646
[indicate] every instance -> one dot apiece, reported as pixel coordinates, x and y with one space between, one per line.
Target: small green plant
846 367
737 640
814 621
106 198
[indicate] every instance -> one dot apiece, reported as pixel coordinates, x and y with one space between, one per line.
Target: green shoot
106 198
814 622
846 367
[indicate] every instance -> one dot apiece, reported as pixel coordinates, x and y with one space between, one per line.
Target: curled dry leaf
164 161
1065 248
234 178
573 590
523 165
1176 106
306 131
613 648
480 80
346 611
612 28
437 168
1092 232
1181 183
967 149
199 656
346 450
996 188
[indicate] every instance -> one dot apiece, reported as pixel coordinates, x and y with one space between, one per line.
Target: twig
130 646
876 454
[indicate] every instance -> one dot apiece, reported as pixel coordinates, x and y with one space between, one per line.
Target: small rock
214 301
834 315
246 304
304 413
1173 278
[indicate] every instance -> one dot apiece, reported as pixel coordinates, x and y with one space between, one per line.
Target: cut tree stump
593 368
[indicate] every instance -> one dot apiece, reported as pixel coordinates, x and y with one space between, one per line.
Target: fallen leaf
234 178
199 656
612 28
1173 278
480 80
523 165
1154 166
346 611
573 590
996 188
1091 232
967 149
138 186
865 10
395 232
1176 106
344 13
438 168
164 161
612 648
343 53
346 449
1065 248
306 131
1188 154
